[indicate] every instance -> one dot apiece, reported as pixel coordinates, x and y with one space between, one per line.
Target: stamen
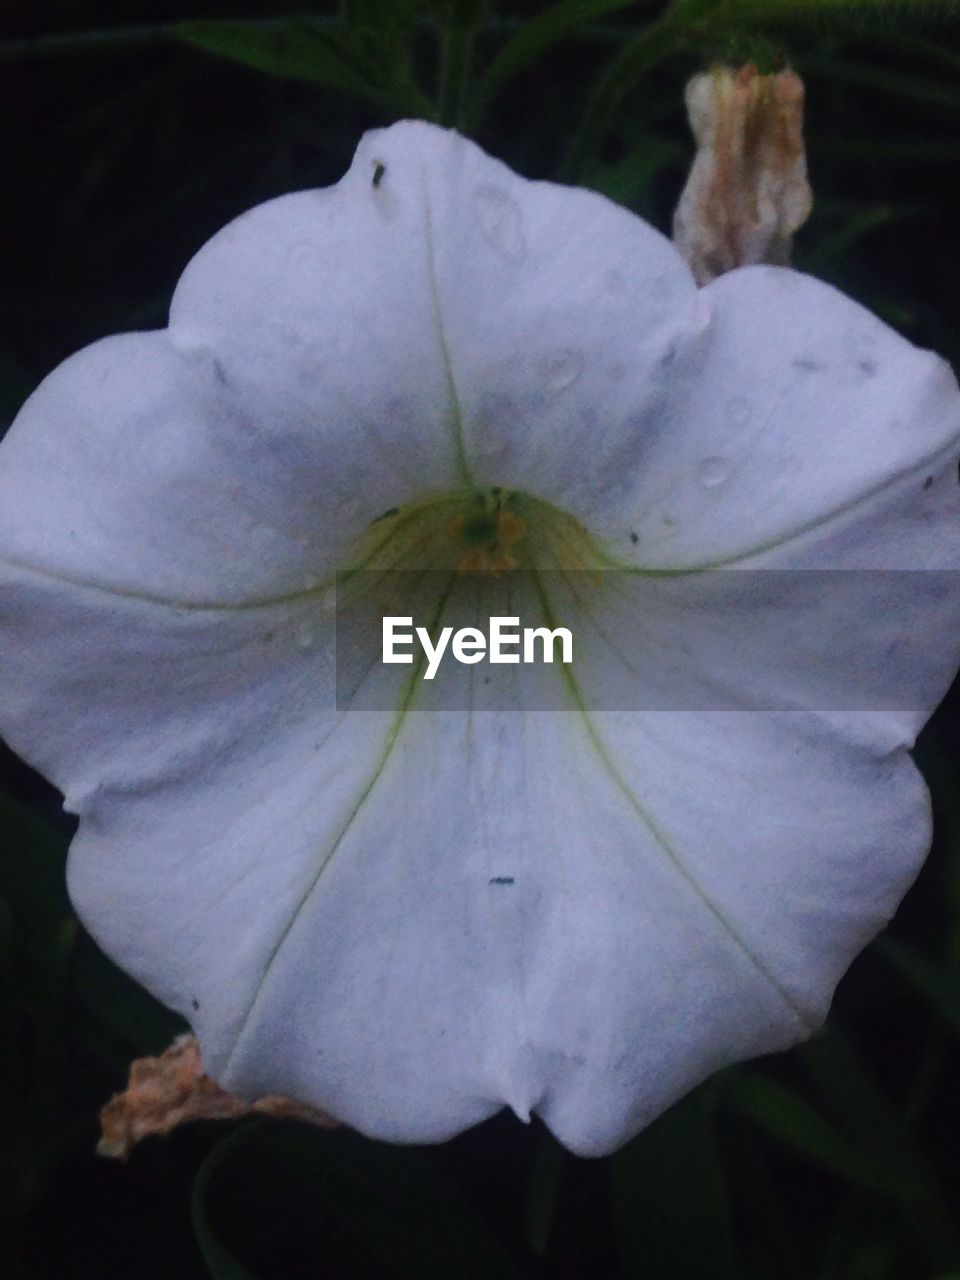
490 534
492 531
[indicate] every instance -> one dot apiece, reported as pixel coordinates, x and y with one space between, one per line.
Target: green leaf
628 182
292 50
358 1207
857 1100
939 768
793 1121
670 1199
638 57
831 248
530 43
135 1023
937 984
778 1245
545 1178
44 932
32 860
221 1263
457 58
10 1056
879 1159
301 50
731 12
916 48
14 388
941 95
906 151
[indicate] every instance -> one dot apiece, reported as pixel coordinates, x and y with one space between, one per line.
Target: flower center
489 531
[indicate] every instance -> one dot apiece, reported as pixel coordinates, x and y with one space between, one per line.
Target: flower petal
714 895
685 427
123 472
225 815
320 310
542 947
796 414
210 771
561 314
301 390
859 646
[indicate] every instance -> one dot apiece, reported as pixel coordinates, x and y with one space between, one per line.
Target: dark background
122 148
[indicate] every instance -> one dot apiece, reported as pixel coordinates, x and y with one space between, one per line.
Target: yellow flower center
488 531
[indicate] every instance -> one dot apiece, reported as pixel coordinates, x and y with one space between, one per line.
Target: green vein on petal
408 693
808 1019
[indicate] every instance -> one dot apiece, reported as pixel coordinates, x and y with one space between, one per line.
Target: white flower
411 917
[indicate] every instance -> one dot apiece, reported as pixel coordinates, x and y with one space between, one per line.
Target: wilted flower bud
748 191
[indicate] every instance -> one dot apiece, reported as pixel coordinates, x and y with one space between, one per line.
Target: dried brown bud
166 1092
748 191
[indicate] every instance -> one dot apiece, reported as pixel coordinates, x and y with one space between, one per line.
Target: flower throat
491 530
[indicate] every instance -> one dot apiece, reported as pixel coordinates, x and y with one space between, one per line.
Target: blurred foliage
129 133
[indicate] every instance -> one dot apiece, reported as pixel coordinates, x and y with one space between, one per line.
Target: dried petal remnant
748 191
174 1089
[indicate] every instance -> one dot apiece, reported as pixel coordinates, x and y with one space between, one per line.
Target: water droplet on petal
501 222
617 282
700 316
713 471
306 636
738 410
560 369
305 256
189 345
491 448
345 508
